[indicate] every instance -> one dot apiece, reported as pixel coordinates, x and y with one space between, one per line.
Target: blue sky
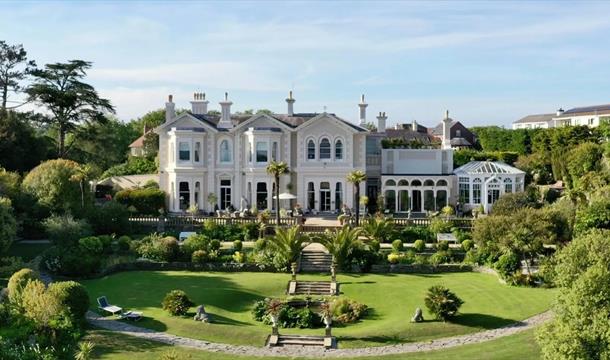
487 62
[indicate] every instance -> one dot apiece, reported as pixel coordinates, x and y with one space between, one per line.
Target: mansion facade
214 160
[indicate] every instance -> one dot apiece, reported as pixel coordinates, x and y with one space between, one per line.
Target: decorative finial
290 95
362 99
226 96
324 108
170 98
446 114
203 96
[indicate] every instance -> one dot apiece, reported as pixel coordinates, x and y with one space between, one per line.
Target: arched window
311 150
324 149
428 183
415 183
225 152
338 150
441 183
403 183
390 183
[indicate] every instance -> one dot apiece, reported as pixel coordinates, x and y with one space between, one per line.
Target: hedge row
145 201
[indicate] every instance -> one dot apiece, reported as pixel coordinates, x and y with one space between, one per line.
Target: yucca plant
341 244
287 243
356 177
84 351
378 228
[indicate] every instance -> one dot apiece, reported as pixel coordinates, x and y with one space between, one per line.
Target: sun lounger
105 306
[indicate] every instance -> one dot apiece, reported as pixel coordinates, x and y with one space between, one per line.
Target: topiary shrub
394 258
8 224
419 245
442 246
412 233
467 245
73 296
440 226
199 256
194 243
237 245
397 246
145 201
176 302
65 230
91 244
156 247
123 243
17 283
442 303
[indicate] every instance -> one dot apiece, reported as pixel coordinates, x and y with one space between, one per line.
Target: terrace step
301 340
313 288
315 261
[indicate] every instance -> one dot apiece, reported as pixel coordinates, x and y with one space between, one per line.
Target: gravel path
438 344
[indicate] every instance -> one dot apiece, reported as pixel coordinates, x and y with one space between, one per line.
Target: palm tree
287 243
341 244
277 169
83 173
356 177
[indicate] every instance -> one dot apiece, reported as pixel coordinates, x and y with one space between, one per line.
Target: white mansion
227 154
590 116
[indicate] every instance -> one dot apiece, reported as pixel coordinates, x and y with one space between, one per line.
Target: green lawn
393 299
110 346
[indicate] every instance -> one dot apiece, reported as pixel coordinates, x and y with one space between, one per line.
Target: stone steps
298 340
315 261
313 288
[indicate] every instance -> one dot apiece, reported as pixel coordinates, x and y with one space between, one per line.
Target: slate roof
487 167
291 121
587 110
408 135
460 141
438 129
535 119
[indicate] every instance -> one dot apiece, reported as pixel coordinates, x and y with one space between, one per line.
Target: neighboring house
460 136
136 148
538 121
227 155
590 116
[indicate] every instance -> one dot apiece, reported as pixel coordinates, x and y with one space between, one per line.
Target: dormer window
311 150
184 151
325 149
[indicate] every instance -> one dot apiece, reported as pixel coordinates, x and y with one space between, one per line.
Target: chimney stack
414 125
199 105
362 107
381 118
290 101
170 109
446 144
560 112
225 113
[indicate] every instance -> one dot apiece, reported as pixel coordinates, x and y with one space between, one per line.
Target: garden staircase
315 259
313 288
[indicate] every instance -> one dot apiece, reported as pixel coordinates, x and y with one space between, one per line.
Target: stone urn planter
328 320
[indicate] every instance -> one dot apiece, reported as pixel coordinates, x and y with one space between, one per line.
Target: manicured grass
28 251
111 346
392 298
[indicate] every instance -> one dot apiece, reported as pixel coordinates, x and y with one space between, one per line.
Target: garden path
437 344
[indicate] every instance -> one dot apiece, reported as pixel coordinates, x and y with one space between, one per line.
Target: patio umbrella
286 196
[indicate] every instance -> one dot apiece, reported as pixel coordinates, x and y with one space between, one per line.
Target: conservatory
481 183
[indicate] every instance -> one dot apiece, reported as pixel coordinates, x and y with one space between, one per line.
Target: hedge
145 201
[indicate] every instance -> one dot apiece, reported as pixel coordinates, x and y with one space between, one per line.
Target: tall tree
21 148
277 169
59 87
14 67
356 177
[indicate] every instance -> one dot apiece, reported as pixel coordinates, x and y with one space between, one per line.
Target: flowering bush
176 302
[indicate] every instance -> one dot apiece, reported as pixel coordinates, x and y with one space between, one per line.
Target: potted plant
212 200
326 312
